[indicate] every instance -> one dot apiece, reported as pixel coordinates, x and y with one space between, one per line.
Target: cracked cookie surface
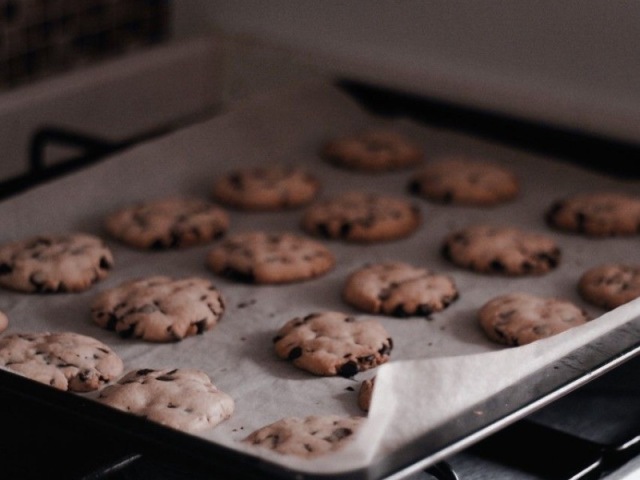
269 258
184 399
520 318
168 223
66 361
333 343
54 263
160 308
362 217
501 250
266 188
398 289
306 437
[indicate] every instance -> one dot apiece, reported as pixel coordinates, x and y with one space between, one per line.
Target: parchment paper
438 367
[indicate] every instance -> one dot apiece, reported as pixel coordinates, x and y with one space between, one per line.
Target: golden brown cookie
306 437
54 263
184 399
270 258
168 223
332 343
599 214
398 289
501 250
376 150
266 188
521 318
66 361
611 285
465 181
362 217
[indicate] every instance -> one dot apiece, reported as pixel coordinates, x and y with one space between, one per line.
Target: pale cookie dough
519 318
184 399
159 309
306 437
501 250
362 217
332 343
465 181
398 289
266 188
609 286
67 361
270 258
168 223
601 214
372 151
54 263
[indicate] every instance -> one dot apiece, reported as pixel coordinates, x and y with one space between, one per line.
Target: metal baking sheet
446 384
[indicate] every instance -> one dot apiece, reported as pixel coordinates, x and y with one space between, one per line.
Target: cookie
260 257
159 309
519 318
306 437
602 214
501 250
398 289
4 322
183 399
332 343
362 217
266 188
67 361
366 393
464 181
168 223
54 263
376 150
609 286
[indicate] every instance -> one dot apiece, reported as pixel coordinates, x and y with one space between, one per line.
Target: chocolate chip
105 264
497 266
277 338
338 434
323 230
399 311
349 369
157 244
414 187
238 275
5 268
201 325
144 371
295 353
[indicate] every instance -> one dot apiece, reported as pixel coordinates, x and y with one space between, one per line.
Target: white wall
575 63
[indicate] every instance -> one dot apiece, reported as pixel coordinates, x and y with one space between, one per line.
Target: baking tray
289 126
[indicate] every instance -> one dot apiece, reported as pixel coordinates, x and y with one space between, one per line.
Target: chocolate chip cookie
168 223
362 217
306 437
261 257
160 308
519 318
376 150
184 399
266 188
609 286
54 263
501 250
398 289
67 361
465 181
332 343
602 214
